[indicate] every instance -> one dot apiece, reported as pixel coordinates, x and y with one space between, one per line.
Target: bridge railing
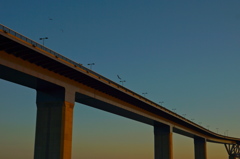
18 35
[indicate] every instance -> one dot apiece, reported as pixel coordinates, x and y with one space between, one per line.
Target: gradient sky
185 53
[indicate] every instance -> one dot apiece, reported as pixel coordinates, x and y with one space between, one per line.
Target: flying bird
50 18
119 77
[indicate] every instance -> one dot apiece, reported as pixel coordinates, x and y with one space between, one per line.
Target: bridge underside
24 79
30 53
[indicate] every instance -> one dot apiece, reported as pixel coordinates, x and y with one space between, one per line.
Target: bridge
60 82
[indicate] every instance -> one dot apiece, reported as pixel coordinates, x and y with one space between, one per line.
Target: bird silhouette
119 77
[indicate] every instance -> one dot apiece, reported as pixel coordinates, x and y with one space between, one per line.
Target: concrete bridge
60 82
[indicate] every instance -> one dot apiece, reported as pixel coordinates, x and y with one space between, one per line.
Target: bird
50 18
119 77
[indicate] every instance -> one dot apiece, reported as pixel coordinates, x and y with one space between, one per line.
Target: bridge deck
22 47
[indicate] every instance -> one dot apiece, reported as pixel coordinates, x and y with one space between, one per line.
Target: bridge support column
53 138
163 141
232 157
200 148
233 150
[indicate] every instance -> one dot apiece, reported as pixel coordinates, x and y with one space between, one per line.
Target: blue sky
185 53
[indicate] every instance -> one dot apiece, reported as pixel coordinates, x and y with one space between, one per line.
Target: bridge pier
163 141
232 157
53 138
200 148
233 150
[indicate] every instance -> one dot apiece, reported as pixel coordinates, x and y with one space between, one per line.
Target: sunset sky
185 53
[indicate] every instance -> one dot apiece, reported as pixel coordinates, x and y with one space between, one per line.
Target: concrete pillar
200 148
53 138
163 142
232 157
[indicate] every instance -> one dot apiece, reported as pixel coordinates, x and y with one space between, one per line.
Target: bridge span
60 82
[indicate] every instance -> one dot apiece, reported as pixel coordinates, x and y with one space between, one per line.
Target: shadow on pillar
200 148
163 141
53 139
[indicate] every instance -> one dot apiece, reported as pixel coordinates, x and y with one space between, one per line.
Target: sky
183 53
